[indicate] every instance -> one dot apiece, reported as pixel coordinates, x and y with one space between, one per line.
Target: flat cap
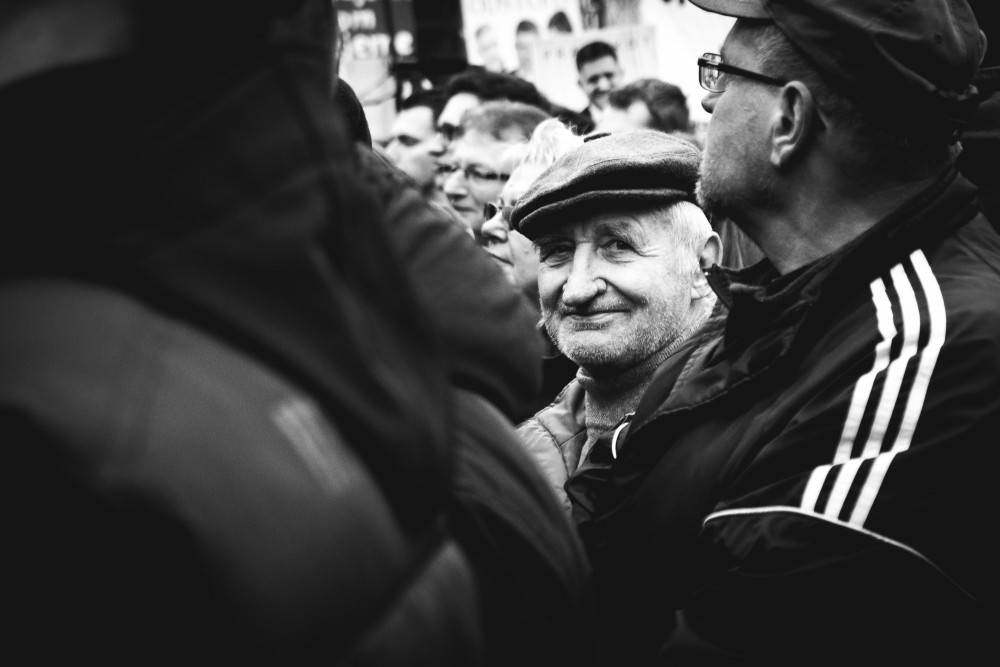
910 60
631 169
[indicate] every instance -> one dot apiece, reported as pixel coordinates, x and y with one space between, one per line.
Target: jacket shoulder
546 436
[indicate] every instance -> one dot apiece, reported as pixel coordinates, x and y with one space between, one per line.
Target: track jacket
815 484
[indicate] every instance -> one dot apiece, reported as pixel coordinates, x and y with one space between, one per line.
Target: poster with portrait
666 45
555 60
501 34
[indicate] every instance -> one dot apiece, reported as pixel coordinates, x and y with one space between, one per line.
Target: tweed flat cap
633 168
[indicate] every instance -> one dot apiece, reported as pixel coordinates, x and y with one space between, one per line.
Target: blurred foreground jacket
235 423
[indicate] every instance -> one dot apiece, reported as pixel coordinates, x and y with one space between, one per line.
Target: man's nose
584 282
454 184
494 230
438 144
392 151
708 102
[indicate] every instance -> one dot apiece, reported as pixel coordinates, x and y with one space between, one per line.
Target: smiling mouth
595 316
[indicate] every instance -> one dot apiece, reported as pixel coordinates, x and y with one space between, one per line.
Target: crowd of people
525 385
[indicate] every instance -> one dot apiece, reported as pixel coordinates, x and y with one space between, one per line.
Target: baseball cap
629 169
897 59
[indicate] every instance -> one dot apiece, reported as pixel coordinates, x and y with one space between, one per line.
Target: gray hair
549 141
503 120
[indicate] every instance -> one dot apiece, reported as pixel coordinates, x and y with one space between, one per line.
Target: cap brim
741 9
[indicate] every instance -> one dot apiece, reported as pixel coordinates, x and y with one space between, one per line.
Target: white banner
492 38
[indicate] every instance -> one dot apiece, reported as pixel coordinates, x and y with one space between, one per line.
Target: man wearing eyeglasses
471 172
808 486
514 253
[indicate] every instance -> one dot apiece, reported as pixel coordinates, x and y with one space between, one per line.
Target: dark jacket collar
772 317
759 296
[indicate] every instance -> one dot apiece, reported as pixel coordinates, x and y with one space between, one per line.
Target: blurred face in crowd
510 249
616 119
616 288
735 170
598 78
489 48
472 175
524 40
412 147
451 115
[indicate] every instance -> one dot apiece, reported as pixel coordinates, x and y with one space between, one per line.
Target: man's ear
709 255
794 122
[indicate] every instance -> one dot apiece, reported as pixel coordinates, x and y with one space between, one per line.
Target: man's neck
812 222
47 35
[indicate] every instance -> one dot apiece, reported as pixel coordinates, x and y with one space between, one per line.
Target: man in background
473 169
514 253
488 47
598 74
647 103
412 144
526 35
474 86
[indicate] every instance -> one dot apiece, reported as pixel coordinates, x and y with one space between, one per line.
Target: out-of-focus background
389 48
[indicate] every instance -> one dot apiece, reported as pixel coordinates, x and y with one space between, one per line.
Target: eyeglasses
490 209
711 70
472 173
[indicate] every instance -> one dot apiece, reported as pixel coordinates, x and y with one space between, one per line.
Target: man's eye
484 175
554 252
407 140
618 245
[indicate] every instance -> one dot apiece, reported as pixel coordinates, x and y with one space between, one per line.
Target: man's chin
588 346
714 201
706 199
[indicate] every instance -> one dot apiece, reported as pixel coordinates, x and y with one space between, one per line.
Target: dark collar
773 318
760 297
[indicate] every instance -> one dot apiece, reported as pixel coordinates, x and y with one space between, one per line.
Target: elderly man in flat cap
810 486
622 250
